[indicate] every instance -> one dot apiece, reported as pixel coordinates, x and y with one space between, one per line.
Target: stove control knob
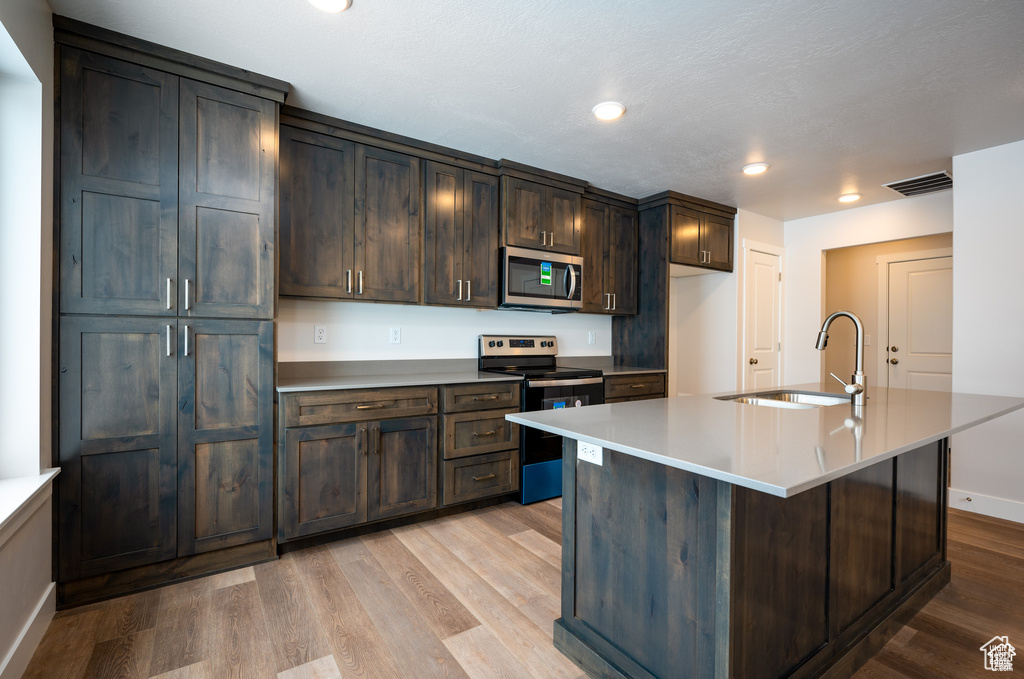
500 343
543 344
491 343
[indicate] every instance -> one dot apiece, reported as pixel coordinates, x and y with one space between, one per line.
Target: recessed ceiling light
332 6
755 168
609 110
849 197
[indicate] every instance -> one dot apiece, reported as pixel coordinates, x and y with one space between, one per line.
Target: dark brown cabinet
540 216
225 434
336 468
350 220
700 238
636 387
460 258
118 443
609 259
167 193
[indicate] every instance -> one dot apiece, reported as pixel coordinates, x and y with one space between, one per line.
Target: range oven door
533 278
552 394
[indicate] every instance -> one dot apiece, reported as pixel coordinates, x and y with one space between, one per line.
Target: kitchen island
710 538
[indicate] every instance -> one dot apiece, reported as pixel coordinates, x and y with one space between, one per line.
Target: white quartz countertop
285 385
777 451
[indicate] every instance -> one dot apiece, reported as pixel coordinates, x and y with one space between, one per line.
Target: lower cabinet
337 475
638 387
165 440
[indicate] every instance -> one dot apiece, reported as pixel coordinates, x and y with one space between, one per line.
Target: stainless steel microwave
536 279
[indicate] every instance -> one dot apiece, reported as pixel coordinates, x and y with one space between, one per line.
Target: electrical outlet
396 335
591 337
319 334
588 452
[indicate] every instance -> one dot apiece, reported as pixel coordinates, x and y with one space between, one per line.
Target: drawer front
487 431
356 405
629 387
633 398
474 478
466 397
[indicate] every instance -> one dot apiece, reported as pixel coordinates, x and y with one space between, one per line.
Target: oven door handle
564 383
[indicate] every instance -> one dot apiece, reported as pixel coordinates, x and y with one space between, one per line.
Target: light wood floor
471 595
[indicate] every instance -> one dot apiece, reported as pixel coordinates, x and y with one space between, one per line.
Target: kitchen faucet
859 382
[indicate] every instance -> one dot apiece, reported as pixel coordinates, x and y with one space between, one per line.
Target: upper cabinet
609 257
350 219
539 212
701 236
460 258
167 193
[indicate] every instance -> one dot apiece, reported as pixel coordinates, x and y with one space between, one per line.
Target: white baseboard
14 665
1000 508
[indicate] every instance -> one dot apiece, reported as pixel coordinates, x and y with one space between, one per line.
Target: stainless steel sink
788 398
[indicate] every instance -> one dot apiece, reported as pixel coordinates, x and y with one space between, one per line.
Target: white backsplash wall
360 331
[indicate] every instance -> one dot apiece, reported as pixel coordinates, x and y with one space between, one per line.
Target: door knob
894 348
753 361
894 361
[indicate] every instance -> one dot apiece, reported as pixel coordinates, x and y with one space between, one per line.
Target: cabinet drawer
481 432
473 478
355 405
629 387
465 397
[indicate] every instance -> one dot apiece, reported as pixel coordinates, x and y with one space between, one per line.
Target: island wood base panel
667 573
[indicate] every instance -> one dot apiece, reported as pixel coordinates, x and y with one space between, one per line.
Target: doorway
852 282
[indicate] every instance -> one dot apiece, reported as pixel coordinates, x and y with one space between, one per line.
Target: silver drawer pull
373 406
637 386
484 477
485 433
492 397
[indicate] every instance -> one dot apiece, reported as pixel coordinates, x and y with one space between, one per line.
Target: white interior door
920 348
762 322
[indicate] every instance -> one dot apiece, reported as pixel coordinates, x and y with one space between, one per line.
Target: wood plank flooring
471 595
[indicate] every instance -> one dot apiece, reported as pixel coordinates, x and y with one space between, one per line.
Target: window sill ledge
19 497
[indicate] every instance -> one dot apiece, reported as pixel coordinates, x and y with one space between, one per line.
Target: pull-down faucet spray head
822 341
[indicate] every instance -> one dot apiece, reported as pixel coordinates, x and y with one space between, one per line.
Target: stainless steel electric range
545 387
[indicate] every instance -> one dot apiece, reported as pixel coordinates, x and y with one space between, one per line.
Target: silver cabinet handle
186 297
360 290
543 237
614 299
168 340
607 301
459 298
552 239
186 340
469 295
168 294
348 281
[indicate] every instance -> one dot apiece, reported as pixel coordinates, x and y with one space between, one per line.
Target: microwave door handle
572 285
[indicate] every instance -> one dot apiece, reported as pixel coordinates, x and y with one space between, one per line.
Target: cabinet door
323 479
225 430
317 202
480 240
443 235
228 161
596 298
919 508
684 240
564 212
387 226
118 186
622 271
402 467
525 220
117 444
717 241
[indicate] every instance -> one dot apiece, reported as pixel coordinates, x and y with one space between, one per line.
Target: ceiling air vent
927 183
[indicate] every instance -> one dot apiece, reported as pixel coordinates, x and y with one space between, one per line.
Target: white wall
806 241
704 317
359 331
26 232
988 325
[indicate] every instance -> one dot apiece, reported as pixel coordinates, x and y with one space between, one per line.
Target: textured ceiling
836 95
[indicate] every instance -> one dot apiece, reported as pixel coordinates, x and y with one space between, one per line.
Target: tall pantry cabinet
166 196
